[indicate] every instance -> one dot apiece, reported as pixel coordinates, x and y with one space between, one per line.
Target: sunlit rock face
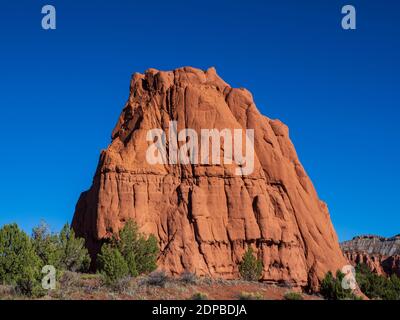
205 216
380 254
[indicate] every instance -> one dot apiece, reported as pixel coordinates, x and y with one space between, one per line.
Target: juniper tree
19 264
250 268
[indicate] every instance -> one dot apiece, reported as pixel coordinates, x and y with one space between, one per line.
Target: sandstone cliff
381 255
205 216
373 245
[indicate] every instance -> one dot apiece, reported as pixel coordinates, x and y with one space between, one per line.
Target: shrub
74 255
375 286
68 279
331 288
7 291
112 264
63 251
293 296
19 264
207 280
127 244
122 285
157 278
250 268
146 255
251 296
140 253
395 285
199 296
188 277
46 245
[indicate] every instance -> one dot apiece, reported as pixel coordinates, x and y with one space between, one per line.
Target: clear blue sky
339 91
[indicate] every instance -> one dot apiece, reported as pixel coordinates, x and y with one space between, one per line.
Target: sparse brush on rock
199 296
188 277
251 296
206 280
157 278
291 295
250 268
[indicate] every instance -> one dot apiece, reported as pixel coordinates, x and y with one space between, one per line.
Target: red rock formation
374 262
391 265
373 244
379 264
380 254
205 216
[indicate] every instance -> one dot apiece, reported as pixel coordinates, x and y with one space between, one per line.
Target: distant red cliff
381 255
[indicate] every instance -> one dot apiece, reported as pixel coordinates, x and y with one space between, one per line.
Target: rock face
381 255
381 265
205 216
371 244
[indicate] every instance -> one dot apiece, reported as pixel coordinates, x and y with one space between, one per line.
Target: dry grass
157 286
7 292
251 296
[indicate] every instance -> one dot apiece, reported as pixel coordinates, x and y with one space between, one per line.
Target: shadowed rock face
205 216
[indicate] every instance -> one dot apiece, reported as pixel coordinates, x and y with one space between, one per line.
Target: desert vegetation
291 295
128 255
22 258
374 286
92 286
127 269
251 295
332 289
250 267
